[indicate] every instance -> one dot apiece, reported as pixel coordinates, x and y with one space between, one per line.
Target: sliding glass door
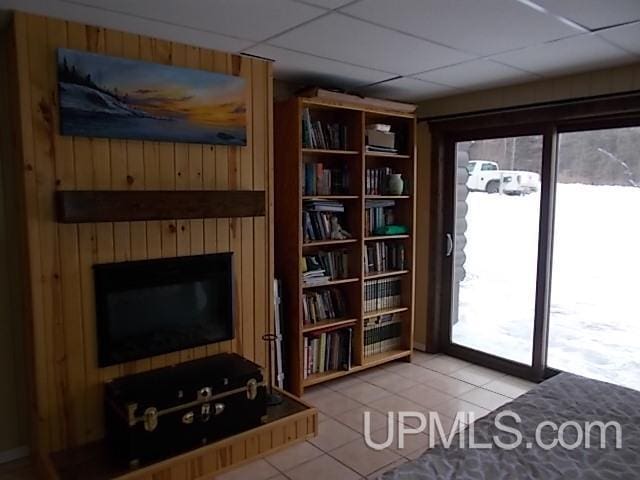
594 318
495 245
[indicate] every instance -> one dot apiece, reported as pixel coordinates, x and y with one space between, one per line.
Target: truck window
470 167
489 166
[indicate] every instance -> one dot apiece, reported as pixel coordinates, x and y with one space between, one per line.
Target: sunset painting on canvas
103 96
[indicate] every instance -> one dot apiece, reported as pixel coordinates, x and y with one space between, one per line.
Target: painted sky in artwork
194 95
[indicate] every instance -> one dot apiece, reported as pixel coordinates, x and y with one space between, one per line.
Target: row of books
327 351
382 334
324 266
321 219
382 294
377 180
319 180
318 134
322 305
384 257
378 214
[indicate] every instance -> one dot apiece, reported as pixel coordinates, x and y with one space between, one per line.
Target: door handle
449 245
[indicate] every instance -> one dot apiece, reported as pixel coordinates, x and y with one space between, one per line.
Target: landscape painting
103 96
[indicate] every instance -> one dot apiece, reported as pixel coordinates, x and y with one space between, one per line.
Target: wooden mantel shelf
81 206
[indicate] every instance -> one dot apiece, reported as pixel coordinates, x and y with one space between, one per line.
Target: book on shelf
384 257
378 214
327 351
318 180
377 181
382 294
332 265
382 334
322 135
323 220
376 149
324 304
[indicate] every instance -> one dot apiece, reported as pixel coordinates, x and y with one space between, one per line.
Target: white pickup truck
486 176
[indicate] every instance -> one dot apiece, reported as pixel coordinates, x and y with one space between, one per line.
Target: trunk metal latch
252 389
150 419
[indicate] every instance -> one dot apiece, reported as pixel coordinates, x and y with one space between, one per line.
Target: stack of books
377 180
324 181
382 294
327 136
382 334
324 304
320 218
327 351
378 214
334 264
384 257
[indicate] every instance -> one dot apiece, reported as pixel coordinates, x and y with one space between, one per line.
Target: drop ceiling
402 49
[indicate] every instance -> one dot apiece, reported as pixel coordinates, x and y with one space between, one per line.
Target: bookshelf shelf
295 175
387 197
334 323
323 243
387 155
390 273
385 237
330 197
321 151
332 283
386 311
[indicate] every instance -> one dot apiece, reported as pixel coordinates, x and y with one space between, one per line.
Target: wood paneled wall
13 430
66 380
600 82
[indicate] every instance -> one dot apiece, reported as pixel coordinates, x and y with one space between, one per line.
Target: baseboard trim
14 454
419 346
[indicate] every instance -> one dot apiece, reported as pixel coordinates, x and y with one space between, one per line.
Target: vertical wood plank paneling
67 382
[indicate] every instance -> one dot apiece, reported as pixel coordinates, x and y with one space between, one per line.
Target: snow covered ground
595 300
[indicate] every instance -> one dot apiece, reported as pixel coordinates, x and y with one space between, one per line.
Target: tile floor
430 383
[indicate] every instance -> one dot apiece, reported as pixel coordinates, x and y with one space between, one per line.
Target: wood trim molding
80 206
613 106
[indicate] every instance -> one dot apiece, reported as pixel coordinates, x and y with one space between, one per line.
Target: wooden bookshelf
291 157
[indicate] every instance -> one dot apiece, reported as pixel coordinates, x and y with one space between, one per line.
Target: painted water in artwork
103 96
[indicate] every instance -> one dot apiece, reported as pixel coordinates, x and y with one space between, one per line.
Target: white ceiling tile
331 4
302 68
484 27
247 19
594 13
127 23
570 55
476 74
627 36
406 90
352 41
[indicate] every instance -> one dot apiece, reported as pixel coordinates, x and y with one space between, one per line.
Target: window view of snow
595 307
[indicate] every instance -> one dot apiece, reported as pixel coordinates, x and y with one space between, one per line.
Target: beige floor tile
485 398
477 375
365 392
364 460
354 419
452 407
369 373
294 456
445 364
425 396
340 384
395 404
324 467
314 392
511 387
322 417
421 357
412 441
333 403
448 385
392 382
375 475
256 470
332 434
417 373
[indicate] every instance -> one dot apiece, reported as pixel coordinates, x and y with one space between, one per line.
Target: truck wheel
493 186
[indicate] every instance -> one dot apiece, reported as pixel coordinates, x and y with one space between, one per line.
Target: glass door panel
495 245
594 324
